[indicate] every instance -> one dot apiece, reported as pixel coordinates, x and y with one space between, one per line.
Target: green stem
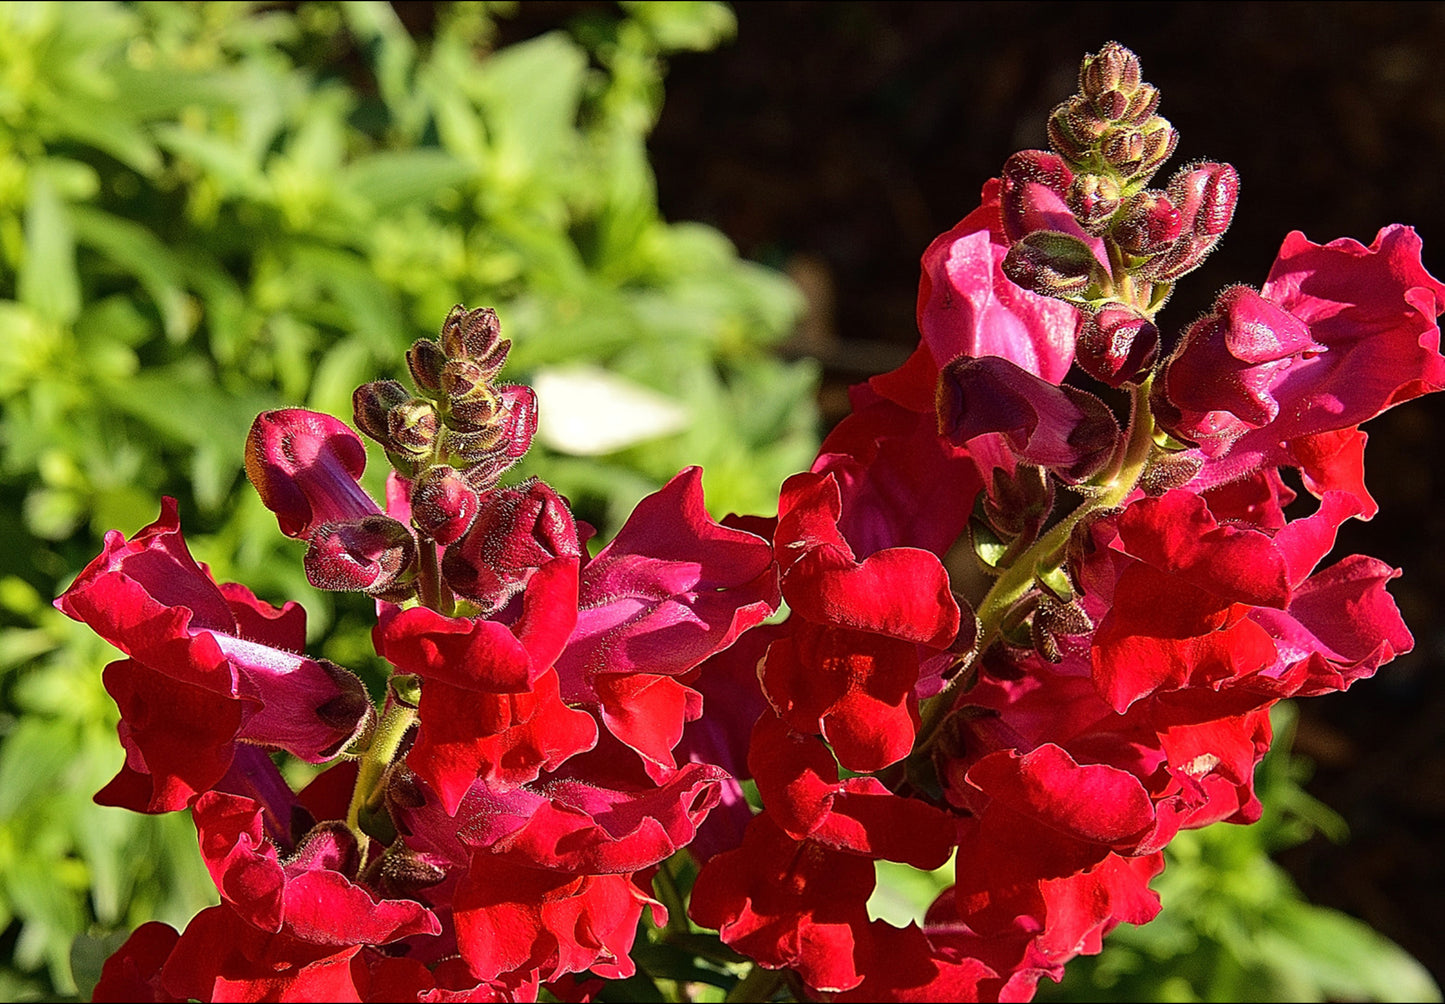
430 585
378 757
758 985
671 896
1048 550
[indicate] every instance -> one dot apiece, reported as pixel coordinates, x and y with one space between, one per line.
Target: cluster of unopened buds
570 740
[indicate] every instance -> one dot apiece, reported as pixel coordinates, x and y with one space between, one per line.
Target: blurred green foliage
210 209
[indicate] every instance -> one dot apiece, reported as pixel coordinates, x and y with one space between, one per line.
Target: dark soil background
835 140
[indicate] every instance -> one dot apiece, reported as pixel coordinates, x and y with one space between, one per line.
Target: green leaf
391 179
135 250
47 282
684 25
1343 958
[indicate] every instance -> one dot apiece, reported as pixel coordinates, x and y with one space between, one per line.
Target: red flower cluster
561 725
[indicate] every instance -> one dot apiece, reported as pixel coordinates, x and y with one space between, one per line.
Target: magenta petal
582 828
1061 428
306 467
1370 313
312 708
1342 622
672 588
967 306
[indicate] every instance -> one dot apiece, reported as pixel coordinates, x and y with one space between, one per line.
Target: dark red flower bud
413 426
1022 174
1206 194
516 531
471 334
375 554
404 872
425 359
1112 68
1052 264
520 424
1093 199
1149 223
370 405
330 846
1117 345
443 505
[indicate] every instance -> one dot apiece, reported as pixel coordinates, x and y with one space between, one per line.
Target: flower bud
1023 174
1112 68
1148 224
1117 345
1142 105
471 334
370 405
1052 264
517 530
405 872
1122 148
412 427
328 845
375 555
520 408
1206 194
1093 199
1074 131
1051 620
425 359
443 505
1017 505
1160 140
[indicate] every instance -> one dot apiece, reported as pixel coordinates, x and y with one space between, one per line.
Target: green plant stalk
374 762
1047 552
671 896
758 985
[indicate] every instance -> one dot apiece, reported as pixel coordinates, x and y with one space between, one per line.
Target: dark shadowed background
836 140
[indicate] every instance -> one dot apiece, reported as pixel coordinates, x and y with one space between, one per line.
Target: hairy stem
385 743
